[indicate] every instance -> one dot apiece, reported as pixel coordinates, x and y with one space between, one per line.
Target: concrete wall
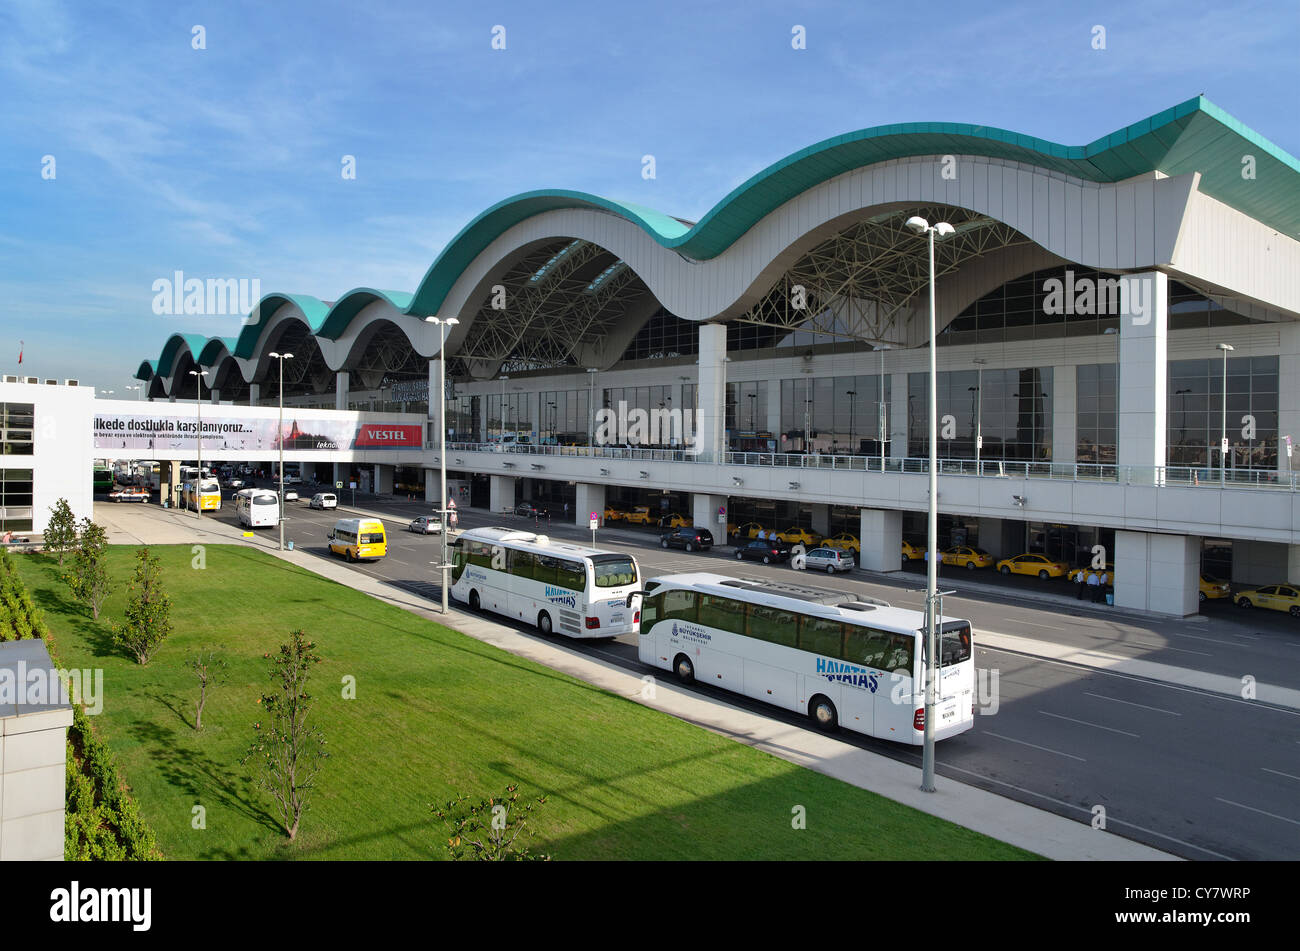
33 749
1157 572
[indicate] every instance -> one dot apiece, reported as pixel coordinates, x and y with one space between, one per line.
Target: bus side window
899 655
651 608
480 554
521 564
867 647
722 613
546 569
571 575
679 605
772 625
821 636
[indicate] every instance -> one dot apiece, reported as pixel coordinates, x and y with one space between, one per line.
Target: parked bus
580 592
257 508
842 660
203 495
357 538
102 479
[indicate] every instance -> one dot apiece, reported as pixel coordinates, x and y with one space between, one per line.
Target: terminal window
16 500
17 422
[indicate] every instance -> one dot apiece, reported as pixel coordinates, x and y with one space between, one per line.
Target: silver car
829 560
425 525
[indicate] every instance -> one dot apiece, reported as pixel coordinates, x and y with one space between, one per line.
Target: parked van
357 538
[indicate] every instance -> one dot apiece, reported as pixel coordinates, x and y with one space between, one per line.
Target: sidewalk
1042 832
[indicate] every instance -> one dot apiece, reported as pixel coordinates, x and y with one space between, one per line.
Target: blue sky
226 161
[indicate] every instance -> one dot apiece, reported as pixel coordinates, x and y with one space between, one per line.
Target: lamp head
943 229
917 225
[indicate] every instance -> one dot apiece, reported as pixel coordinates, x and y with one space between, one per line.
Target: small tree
148 610
487 831
211 668
88 576
61 530
289 750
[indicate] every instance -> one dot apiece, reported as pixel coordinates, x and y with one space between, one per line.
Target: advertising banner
169 431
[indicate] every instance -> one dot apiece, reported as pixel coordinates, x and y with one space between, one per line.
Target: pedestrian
1105 583
1094 582
1082 580
566 511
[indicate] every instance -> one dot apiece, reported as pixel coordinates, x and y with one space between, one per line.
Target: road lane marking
1260 811
1050 627
1278 772
1172 713
1110 729
1034 745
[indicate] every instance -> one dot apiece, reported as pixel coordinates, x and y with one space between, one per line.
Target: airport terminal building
769 363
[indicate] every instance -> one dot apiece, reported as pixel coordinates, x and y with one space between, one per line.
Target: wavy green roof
1194 136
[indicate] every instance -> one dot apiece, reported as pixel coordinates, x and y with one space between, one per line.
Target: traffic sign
595 519
338 485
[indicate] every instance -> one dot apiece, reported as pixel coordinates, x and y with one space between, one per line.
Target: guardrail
985 468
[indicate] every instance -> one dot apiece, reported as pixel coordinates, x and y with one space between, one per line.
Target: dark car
529 510
692 539
764 551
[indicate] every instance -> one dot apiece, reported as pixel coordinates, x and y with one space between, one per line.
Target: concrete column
254 393
216 396
710 423
1293 564
821 519
384 479
590 498
990 538
704 512
1143 375
881 536
898 416
171 398
341 382
1065 418
502 494
1157 573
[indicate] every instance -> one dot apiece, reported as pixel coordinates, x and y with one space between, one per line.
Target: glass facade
509 413
1095 413
17 423
840 414
565 416
15 500
1195 412
1015 410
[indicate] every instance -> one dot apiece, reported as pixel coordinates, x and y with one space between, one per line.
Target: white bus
580 592
845 661
257 508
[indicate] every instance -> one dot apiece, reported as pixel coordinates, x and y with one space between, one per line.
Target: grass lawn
436 714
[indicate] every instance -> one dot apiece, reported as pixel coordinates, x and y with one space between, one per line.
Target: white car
324 500
290 495
426 525
829 560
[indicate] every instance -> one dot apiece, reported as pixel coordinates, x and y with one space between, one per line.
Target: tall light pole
443 324
882 420
136 387
591 408
503 379
198 440
979 414
853 405
1223 432
918 225
281 357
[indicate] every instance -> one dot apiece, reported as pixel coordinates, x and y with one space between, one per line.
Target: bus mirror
634 594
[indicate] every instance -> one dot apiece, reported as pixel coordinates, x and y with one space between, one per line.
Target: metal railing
985 468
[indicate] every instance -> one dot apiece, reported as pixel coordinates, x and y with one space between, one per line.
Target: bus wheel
473 601
544 624
684 669
823 713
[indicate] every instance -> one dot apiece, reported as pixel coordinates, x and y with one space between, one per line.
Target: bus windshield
614 571
954 644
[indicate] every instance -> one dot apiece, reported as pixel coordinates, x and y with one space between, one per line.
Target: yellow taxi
1088 569
746 530
640 515
613 513
911 552
676 521
1212 588
1276 597
967 557
796 536
1031 564
844 541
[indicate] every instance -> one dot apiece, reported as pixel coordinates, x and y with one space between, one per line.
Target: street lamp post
591 408
979 414
281 357
198 441
443 324
1227 348
136 387
853 405
918 225
882 421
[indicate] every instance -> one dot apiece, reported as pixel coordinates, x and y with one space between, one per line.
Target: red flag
20 351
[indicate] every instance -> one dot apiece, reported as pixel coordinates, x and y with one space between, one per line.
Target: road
1197 773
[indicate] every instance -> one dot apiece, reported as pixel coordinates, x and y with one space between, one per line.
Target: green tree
289 750
489 830
211 668
88 575
148 611
61 530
